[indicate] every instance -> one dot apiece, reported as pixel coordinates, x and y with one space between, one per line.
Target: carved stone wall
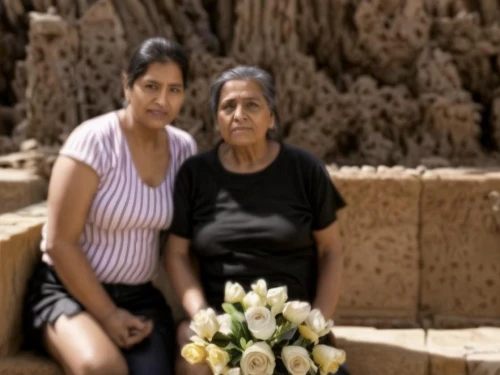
359 82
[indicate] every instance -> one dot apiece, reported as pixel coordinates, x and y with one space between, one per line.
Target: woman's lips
241 129
157 113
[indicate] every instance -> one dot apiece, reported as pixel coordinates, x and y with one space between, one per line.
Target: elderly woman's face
243 114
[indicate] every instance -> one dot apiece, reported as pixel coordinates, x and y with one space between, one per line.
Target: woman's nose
162 99
238 112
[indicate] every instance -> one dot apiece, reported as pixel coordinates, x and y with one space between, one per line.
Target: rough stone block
474 351
373 351
460 239
19 251
379 230
19 188
483 363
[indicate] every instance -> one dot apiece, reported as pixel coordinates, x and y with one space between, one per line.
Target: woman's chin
241 140
156 124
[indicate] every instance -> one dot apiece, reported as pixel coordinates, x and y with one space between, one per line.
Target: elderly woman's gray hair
262 77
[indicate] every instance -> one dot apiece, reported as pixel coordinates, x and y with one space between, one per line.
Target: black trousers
150 357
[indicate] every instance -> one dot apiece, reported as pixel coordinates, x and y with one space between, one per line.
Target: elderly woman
91 303
252 208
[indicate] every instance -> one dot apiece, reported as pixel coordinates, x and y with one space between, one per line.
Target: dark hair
156 50
242 72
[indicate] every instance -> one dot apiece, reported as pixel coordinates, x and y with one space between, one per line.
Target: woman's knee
83 348
98 364
184 368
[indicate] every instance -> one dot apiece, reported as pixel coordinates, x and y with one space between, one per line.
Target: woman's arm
330 266
182 276
72 187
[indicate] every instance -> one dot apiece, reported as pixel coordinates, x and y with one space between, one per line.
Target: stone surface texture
459 243
20 188
19 251
366 82
392 320
379 230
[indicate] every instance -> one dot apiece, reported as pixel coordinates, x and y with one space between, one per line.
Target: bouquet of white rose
262 333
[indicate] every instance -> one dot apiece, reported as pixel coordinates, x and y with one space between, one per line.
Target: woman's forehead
239 88
163 71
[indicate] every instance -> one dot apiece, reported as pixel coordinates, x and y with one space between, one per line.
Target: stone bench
20 188
370 352
401 272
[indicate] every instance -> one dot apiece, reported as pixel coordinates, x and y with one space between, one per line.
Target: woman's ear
273 122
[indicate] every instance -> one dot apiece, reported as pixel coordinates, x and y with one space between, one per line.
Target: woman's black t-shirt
244 227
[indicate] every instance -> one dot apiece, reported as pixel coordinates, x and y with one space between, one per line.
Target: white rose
258 359
233 371
193 353
308 333
252 299
233 292
260 287
276 298
327 329
296 360
316 322
296 311
224 323
261 322
328 358
217 358
205 323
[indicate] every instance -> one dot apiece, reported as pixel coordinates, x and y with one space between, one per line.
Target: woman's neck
137 132
248 158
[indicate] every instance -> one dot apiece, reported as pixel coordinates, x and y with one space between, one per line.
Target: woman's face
243 114
157 96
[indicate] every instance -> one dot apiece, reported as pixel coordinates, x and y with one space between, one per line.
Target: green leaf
240 329
239 307
220 339
280 320
233 312
243 343
248 334
302 342
231 347
236 360
284 333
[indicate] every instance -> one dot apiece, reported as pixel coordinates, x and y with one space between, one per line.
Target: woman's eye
252 105
175 90
151 86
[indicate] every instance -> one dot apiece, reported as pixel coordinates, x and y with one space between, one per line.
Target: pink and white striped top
121 234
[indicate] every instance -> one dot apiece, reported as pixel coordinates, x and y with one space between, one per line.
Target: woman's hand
125 329
182 275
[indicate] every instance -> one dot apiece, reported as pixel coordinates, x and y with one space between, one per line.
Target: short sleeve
85 144
184 144
183 188
192 148
324 197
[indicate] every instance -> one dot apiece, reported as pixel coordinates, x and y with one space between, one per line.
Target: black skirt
47 299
